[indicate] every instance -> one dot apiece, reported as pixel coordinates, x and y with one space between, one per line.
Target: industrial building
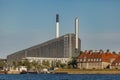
60 48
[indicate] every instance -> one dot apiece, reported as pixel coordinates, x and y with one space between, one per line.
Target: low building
116 63
96 60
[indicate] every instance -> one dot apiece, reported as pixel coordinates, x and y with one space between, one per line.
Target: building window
97 59
119 64
94 59
84 59
91 59
100 60
80 59
116 64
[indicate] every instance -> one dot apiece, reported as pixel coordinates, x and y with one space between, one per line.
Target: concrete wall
105 64
92 65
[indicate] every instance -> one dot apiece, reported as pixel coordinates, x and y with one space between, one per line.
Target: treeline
37 65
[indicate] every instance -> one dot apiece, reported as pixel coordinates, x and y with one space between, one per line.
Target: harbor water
59 76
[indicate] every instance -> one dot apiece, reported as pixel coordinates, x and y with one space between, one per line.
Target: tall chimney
57 26
76 31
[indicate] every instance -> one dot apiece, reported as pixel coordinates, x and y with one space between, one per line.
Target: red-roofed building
96 60
116 63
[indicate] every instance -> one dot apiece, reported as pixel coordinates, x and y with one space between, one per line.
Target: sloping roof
105 57
117 60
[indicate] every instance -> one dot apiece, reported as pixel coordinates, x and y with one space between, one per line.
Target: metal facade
62 47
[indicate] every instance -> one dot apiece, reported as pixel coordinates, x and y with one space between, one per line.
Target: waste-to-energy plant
61 48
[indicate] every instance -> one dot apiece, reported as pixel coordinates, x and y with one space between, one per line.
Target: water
59 77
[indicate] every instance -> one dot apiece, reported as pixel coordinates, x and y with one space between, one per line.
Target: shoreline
78 71
72 71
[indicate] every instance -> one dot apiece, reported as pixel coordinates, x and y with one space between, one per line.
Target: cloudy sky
24 23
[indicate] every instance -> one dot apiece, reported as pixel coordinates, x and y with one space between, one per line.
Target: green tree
20 63
63 65
26 63
15 64
81 52
2 65
38 67
45 64
52 64
58 63
34 65
73 63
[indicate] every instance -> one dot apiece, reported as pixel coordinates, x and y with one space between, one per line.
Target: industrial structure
60 48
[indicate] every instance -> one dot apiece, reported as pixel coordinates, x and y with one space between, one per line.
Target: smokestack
57 26
76 31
